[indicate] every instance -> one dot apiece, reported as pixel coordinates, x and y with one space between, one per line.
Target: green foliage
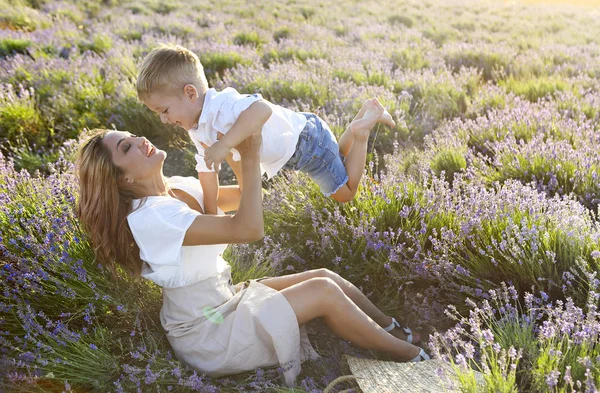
19 18
162 7
9 46
401 20
20 122
535 88
174 29
307 12
281 34
130 35
27 158
358 78
280 90
251 38
100 44
546 361
437 101
450 160
341 31
117 305
489 63
216 63
243 269
275 55
438 35
576 107
74 15
134 117
484 102
137 8
465 26
409 58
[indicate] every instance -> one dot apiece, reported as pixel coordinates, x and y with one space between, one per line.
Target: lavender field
477 220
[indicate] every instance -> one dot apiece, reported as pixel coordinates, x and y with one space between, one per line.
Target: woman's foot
402 333
373 112
421 356
416 354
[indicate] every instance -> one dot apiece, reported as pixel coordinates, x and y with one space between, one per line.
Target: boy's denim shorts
318 155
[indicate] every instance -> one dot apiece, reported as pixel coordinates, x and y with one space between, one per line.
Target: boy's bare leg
357 155
347 138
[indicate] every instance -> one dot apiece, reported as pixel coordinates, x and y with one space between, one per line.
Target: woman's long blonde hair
105 200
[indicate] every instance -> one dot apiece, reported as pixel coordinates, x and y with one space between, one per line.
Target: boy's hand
215 154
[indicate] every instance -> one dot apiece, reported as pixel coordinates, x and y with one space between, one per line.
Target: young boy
172 83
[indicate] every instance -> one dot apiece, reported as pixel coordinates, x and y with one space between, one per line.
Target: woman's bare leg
363 302
323 297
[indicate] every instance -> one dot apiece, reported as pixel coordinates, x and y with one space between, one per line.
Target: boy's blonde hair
167 69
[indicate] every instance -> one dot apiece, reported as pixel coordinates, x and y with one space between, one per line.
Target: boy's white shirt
221 109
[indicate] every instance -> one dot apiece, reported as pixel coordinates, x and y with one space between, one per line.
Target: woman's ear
129 180
190 92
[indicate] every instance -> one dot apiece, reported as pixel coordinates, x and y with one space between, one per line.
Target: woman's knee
325 286
313 298
324 272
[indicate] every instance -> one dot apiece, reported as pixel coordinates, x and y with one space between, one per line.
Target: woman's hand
247 224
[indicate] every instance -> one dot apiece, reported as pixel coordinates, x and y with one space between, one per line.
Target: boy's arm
210 188
247 123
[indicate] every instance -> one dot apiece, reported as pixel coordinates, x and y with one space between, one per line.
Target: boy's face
181 109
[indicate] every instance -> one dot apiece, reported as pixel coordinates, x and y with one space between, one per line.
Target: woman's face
136 156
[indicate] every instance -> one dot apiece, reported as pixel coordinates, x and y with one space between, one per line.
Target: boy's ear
190 92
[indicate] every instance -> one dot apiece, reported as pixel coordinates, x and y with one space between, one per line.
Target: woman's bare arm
247 223
229 198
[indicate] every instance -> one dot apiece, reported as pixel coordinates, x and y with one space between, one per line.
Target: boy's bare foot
362 110
387 118
374 112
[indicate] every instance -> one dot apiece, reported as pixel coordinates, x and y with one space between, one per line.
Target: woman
155 229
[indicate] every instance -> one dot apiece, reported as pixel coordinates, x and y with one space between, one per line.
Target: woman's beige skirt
221 329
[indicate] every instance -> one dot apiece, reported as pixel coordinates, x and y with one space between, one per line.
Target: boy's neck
200 106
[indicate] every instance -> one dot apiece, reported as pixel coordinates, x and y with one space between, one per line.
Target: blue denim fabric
318 155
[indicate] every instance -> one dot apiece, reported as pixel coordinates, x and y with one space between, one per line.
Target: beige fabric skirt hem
221 329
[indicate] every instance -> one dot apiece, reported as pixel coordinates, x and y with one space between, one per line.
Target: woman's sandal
410 338
421 356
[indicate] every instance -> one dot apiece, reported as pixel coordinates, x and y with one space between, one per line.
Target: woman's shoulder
157 215
153 205
191 186
184 180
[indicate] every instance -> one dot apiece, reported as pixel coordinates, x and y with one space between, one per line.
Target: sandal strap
421 356
406 330
392 326
409 336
